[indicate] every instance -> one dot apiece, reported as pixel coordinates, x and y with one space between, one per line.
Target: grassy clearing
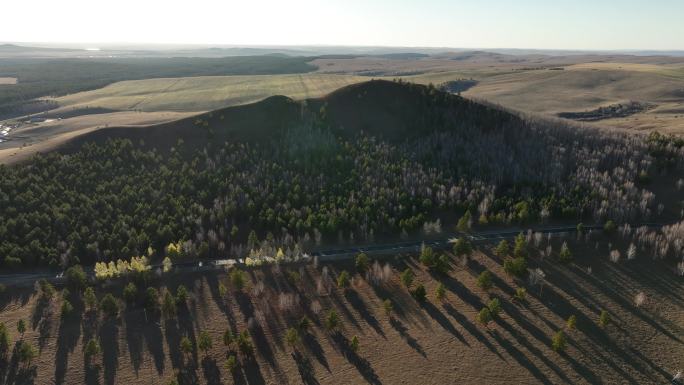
206 93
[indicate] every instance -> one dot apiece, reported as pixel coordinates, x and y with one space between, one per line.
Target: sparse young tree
186 345
427 256
4 340
520 294
90 298
151 299
484 280
572 322
204 342
130 292
516 266
109 306
181 295
362 262
440 292
559 342
244 343
520 247
332 321
407 277
76 277
462 247
565 255
354 344
502 249
465 223
484 316
292 337
169 305
304 324
92 349
21 327
343 280
387 307
167 265
609 227
231 363
67 308
494 307
228 338
238 278
222 289
26 353
604 319
419 293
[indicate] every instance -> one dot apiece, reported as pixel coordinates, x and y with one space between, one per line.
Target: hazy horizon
600 25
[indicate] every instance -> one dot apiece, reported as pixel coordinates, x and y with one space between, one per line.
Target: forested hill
375 158
383 109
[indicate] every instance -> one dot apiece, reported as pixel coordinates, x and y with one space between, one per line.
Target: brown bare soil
431 343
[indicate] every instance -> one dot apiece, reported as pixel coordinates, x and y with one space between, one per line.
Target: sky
541 24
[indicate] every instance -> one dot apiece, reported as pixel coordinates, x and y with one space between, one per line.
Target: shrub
304 324
484 316
109 306
484 280
130 292
558 343
228 338
46 289
520 294
604 319
362 263
292 337
516 267
419 293
343 280
442 264
572 322
407 277
222 290
609 227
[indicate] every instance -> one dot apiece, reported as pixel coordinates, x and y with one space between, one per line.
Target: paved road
24 279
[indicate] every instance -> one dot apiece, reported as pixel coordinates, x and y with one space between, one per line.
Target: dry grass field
436 342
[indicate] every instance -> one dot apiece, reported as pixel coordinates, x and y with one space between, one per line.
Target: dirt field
433 343
40 137
8 80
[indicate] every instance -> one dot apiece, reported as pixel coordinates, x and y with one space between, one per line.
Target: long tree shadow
212 374
173 337
472 329
134 337
403 332
441 320
252 371
109 340
314 347
463 293
362 365
92 373
361 308
154 340
306 370
67 338
521 358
